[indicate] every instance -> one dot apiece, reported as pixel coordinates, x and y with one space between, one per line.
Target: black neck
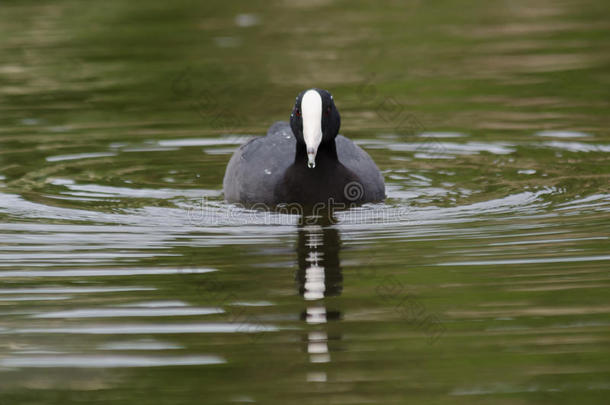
327 151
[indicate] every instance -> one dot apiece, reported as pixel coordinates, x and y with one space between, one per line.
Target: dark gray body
257 169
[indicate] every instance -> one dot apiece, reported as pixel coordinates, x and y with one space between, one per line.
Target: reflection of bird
319 274
303 162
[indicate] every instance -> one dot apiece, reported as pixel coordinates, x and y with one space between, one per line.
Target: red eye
297 112
327 110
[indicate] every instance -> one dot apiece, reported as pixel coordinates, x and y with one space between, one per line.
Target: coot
304 161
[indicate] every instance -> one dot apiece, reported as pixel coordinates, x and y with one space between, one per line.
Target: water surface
125 277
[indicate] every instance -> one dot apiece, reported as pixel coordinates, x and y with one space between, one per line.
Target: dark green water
125 278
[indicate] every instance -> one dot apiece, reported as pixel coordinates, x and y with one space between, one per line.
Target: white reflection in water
97 190
577 146
432 156
441 135
253 303
129 312
526 261
563 134
37 298
320 276
319 376
100 272
96 361
230 140
156 304
314 274
316 314
143 344
79 156
317 347
589 201
71 290
453 148
314 283
134 329
546 241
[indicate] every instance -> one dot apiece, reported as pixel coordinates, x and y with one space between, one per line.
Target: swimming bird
304 161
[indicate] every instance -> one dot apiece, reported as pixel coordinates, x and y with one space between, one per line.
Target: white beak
311 107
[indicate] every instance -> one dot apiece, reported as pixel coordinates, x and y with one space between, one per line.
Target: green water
483 278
